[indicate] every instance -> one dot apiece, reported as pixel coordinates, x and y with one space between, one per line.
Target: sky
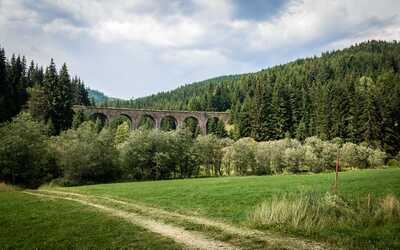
134 48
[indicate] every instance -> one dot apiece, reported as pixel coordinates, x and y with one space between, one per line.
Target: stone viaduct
135 115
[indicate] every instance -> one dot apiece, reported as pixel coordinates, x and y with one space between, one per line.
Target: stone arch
147 121
118 119
168 123
216 125
95 116
193 124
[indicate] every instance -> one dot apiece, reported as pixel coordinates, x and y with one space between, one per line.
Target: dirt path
190 239
272 239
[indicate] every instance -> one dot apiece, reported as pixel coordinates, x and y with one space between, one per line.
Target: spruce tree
59 96
5 90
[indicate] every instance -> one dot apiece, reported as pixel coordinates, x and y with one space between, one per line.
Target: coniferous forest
47 94
352 93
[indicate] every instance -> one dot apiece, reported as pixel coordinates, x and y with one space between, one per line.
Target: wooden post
337 171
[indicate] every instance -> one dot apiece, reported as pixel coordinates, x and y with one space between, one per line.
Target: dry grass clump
310 211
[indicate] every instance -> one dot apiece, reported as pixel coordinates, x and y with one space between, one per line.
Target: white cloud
311 20
183 40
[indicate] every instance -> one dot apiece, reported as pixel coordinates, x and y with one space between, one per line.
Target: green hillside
352 93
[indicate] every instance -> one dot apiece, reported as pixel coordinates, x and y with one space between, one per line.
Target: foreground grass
233 199
29 222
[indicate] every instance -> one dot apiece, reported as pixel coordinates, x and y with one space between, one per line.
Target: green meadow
34 222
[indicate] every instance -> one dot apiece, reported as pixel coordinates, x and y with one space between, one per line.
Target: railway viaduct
135 115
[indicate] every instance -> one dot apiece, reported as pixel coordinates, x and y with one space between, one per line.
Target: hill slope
352 93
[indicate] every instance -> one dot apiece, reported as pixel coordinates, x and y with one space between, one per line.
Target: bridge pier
157 122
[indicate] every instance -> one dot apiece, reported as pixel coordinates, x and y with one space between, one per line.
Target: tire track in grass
192 240
274 239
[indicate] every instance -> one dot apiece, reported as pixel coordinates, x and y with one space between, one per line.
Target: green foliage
78 118
359 156
216 127
86 156
155 154
191 124
240 158
25 158
209 152
122 133
146 122
50 95
168 123
352 93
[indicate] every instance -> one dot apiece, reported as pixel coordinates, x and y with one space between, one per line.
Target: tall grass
311 212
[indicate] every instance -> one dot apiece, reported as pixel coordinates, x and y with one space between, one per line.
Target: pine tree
6 101
260 113
278 113
59 96
244 119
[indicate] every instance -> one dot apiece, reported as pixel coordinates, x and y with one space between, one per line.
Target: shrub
376 158
321 155
208 150
294 158
24 153
393 163
353 155
155 154
240 157
86 156
277 161
121 133
263 158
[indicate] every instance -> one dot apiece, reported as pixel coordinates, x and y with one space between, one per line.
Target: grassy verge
367 223
233 199
33 223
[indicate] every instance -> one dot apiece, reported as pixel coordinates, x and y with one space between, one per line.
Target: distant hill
100 98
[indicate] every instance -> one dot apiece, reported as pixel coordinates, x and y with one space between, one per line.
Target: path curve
285 241
190 239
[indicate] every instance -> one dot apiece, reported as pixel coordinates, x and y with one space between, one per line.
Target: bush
393 163
263 158
24 153
321 154
376 158
86 156
294 158
359 156
155 154
209 152
240 157
353 155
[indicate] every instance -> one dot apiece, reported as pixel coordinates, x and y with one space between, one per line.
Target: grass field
28 221
231 199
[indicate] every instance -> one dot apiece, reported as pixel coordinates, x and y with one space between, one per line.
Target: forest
352 93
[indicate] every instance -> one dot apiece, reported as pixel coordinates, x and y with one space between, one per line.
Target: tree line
48 94
352 93
87 154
